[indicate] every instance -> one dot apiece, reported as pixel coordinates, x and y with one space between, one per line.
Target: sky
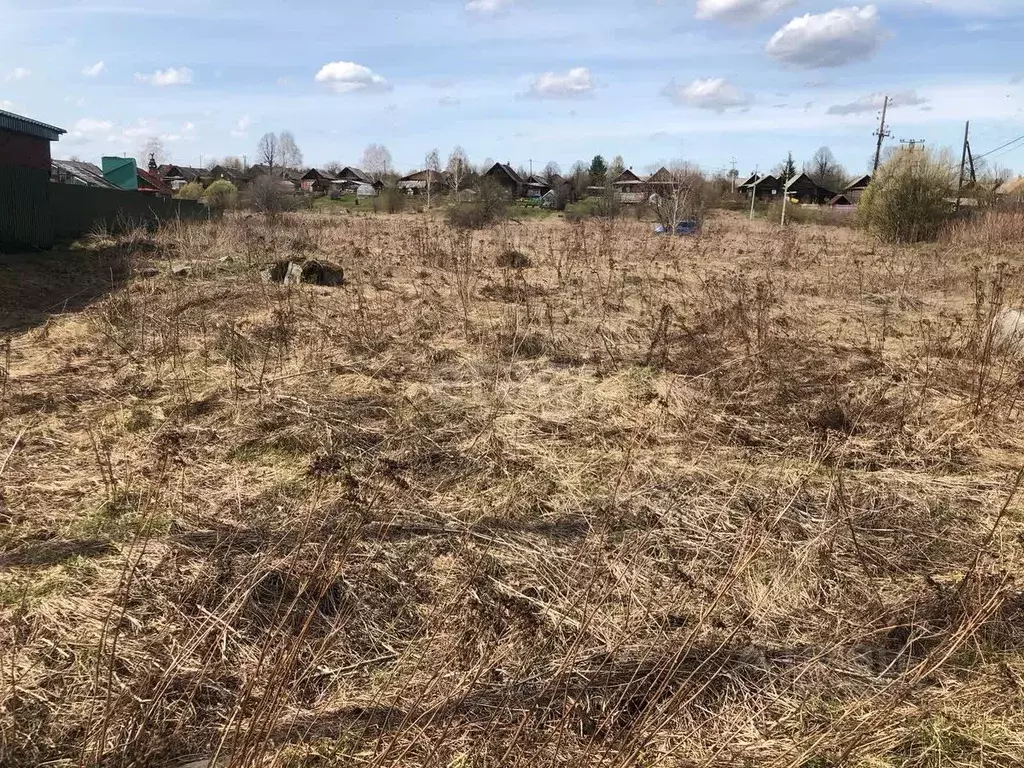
715 82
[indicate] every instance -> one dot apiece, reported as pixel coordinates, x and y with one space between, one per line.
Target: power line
1004 146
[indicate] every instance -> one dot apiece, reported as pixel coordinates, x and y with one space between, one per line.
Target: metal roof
12 122
84 173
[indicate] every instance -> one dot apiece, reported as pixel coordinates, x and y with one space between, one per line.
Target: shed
25 168
79 173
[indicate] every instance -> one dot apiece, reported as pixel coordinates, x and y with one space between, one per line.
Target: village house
417 183
504 175
855 189
177 176
317 181
629 187
766 187
804 190
219 172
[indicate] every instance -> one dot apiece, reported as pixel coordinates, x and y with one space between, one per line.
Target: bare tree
680 197
376 161
231 163
458 168
825 170
551 170
334 167
291 155
486 165
618 166
432 163
268 151
153 147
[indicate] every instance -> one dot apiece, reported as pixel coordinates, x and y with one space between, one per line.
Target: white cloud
448 101
165 77
488 6
241 129
740 10
347 76
573 84
90 128
18 73
875 102
7 105
94 70
830 39
714 93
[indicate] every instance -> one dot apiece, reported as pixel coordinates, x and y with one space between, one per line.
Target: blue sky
652 80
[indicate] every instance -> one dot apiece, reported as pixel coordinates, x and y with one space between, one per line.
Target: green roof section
121 172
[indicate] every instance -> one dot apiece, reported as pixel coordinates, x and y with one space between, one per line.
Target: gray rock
293 275
1008 329
182 271
312 272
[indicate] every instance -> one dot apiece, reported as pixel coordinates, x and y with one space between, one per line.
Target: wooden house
418 182
855 189
766 187
504 175
316 181
536 186
177 176
804 190
219 172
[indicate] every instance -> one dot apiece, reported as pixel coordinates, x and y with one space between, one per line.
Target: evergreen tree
598 171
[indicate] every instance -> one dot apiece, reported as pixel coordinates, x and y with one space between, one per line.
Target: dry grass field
746 499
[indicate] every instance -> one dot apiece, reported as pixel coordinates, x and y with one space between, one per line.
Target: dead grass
624 500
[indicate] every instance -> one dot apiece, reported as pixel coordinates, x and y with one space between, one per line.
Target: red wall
24 151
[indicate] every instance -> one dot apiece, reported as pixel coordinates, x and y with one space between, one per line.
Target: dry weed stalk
554 493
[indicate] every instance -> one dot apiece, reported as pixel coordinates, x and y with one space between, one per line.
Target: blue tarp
681 228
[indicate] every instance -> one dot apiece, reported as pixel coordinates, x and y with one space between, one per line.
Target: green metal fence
78 210
25 217
35 213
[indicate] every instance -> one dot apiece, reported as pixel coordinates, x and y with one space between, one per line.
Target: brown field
747 499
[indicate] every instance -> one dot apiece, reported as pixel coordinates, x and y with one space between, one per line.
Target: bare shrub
989 229
488 206
268 195
907 200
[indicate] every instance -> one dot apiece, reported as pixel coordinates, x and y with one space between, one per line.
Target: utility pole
753 194
732 174
882 133
912 142
963 163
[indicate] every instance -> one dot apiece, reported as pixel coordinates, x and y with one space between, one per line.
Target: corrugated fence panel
25 220
78 210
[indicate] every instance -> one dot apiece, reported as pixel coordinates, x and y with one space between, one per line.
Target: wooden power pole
882 133
963 164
